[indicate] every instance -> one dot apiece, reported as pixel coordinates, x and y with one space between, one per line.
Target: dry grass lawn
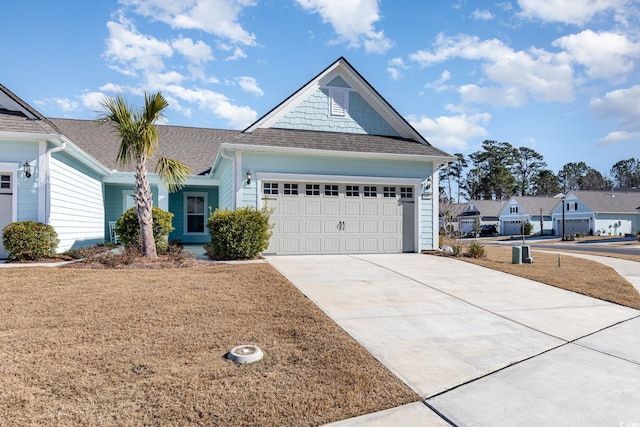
146 347
574 274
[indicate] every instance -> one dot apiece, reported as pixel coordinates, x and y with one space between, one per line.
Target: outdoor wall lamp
26 168
248 176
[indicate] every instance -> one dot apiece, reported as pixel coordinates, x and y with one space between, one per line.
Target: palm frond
172 172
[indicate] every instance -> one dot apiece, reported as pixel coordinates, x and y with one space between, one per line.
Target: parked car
488 231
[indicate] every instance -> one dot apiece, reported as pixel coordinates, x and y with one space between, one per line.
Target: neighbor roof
532 204
196 147
18 116
485 207
604 201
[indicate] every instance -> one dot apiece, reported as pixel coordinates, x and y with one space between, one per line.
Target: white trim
163 197
237 180
43 182
339 109
341 179
185 196
333 153
13 169
435 210
125 196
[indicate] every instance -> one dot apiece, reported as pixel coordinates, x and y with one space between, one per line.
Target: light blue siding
76 204
176 206
313 114
224 175
114 205
19 152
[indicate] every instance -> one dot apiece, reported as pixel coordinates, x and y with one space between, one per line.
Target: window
312 190
338 102
331 190
406 193
290 189
270 188
196 207
573 206
353 191
5 182
513 209
370 191
389 192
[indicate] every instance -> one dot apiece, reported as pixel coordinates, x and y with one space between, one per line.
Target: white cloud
604 54
451 132
111 87
482 15
93 100
577 12
249 84
66 104
621 105
237 116
132 51
353 21
196 53
517 75
439 84
218 17
395 67
238 53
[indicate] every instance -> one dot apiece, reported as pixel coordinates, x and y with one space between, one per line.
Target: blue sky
558 76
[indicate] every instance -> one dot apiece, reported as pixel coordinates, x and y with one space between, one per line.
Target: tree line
500 170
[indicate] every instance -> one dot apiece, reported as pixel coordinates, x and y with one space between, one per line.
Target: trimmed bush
128 229
527 227
29 240
240 234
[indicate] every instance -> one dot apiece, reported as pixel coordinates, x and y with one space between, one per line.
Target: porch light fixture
248 176
26 169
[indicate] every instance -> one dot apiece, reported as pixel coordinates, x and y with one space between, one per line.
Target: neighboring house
598 213
487 211
528 209
341 169
449 214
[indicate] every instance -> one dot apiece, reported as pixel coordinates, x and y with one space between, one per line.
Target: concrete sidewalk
480 346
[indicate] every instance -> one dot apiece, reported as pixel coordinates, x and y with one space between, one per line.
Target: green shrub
476 250
29 240
527 227
128 228
240 234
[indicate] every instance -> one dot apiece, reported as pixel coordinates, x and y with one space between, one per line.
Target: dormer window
338 102
513 209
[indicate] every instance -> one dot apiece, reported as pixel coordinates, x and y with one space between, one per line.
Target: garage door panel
370 208
331 245
370 245
291 246
291 226
312 207
312 226
352 226
331 208
352 245
312 245
352 208
390 226
291 207
369 226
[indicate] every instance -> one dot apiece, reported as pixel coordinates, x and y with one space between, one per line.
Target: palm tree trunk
144 204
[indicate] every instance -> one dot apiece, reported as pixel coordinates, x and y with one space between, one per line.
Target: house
598 213
487 212
449 215
528 209
342 171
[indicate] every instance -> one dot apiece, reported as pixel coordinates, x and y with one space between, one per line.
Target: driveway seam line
438 413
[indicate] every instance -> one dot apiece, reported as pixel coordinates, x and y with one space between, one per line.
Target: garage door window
353 191
331 190
370 191
312 190
389 192
290 189
270 188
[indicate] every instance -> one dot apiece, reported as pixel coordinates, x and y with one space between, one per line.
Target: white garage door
321 218
573 226
511 228
6 206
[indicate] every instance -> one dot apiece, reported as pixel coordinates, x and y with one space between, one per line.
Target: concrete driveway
481 347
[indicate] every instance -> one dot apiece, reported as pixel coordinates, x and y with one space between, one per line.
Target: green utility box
516 255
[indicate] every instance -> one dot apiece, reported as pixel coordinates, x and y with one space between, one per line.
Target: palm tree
139 139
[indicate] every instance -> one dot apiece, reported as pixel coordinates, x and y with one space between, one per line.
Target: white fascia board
333 153
356 179
26 136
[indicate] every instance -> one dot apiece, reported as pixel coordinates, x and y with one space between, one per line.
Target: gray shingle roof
602 201
197 147
486 207
335 141
532 204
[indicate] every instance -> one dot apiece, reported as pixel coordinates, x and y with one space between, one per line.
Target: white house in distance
528 209
599 213
342 169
